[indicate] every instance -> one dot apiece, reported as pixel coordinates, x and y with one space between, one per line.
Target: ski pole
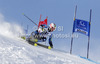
29 19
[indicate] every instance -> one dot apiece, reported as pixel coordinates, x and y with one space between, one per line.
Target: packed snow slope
17 51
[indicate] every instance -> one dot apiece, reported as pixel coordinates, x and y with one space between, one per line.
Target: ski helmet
52 26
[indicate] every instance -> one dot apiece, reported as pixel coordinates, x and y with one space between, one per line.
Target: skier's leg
33 36
50 42
36 35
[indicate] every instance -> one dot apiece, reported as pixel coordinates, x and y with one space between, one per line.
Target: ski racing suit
43 33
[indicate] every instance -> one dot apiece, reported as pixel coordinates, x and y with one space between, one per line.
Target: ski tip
23 37
49 47
35 44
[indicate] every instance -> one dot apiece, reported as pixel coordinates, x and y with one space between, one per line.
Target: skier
43 32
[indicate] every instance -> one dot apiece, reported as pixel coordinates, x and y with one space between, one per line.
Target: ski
38 44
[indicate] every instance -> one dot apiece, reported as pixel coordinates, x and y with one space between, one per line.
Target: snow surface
17 51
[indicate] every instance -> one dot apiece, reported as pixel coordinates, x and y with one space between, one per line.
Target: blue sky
61 13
